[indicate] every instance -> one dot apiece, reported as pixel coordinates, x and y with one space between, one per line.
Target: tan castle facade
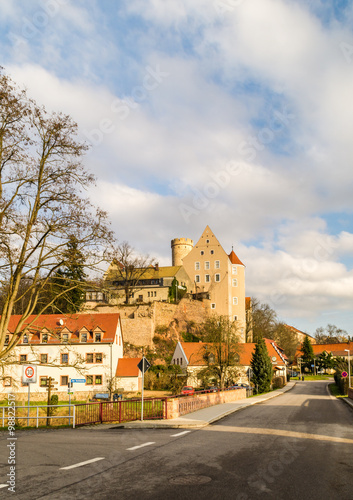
214 272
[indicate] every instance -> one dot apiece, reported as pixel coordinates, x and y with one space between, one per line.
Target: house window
234 270
7 381
99 357
25 339
197 266
7 339
43 359
202 252
181 361
207 278
89 380
212 252
235 301
197 278
213 306
44 338
148 294
64 380
98 380
217 264
83 337
235 282
89 357
65 337
64 358
98 337
43 381
217 277
155 294
207 264
23 358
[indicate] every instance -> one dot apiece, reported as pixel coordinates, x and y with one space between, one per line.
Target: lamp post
349 367
299 361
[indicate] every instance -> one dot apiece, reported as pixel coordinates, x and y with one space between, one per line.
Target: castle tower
180 249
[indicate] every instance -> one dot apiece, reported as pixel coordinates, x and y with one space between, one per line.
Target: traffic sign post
29 376
143 366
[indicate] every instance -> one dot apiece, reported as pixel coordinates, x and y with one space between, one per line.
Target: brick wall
187 404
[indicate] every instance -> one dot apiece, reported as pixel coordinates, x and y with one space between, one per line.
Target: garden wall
177 407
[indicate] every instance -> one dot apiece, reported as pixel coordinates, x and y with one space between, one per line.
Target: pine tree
261 366
307 353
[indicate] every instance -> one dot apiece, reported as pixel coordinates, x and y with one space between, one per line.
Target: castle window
235 301
213 306
207 241
212 252
202 252
217 264
235 282
197 266
234 269
207 264
235 318
197 278
207 278
217 277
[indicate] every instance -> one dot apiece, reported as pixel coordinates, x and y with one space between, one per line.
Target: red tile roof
235 259
57 323
127 367
194 352
336 349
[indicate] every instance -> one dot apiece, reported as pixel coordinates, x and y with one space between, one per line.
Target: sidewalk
206 416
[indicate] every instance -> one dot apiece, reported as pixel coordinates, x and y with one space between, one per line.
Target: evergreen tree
307 353
261 366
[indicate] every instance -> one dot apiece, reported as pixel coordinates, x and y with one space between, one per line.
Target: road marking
140 446
82 463
3 485
179 434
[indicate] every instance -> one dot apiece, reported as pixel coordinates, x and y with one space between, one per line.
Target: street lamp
349 367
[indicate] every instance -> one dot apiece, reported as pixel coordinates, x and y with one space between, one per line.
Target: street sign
78 380
344 374
144 365
29 374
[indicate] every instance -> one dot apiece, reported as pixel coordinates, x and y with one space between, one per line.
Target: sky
235 114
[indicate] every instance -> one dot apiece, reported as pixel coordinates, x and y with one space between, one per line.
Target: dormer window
25 338
7 339
44 338
65 338
98 337
83 337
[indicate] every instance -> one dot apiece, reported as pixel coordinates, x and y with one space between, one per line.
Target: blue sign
78 380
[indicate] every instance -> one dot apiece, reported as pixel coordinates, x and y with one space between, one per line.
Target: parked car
212 388
187 390
234 386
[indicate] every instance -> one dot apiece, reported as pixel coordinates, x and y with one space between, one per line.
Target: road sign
29 374
344 374
144 365
78 380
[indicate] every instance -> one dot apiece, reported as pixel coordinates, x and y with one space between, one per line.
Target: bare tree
127 270
42 205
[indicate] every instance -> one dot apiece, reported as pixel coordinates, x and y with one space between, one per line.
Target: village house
191 357
80 346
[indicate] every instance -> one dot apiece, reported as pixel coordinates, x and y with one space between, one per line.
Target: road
296 446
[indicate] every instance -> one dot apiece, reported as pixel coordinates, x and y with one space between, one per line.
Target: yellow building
215 274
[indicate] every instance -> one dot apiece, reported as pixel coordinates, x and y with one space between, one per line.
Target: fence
24 414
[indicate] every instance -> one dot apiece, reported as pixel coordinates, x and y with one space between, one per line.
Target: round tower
180 248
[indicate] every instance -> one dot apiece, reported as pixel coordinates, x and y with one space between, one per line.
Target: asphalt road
296 446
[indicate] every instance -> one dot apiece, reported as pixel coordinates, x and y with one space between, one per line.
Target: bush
278 382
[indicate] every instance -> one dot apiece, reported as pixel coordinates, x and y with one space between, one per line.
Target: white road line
179 434
4 485
82 463
140 446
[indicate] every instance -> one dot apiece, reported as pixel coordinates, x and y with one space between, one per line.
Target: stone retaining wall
350 392
177 407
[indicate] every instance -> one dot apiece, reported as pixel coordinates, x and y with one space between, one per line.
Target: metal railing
25 414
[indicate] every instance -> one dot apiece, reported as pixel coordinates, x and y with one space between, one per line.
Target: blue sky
232 113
